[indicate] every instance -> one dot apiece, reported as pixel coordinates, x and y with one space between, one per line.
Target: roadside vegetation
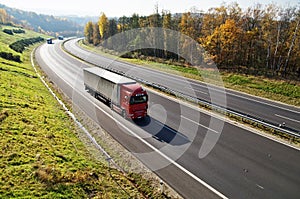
256 49
42 155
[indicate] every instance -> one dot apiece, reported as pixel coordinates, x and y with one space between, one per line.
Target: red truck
122 94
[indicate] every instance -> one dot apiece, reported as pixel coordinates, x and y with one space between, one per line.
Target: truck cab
134 101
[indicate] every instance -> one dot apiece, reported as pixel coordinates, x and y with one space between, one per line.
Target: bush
19 46
18 31
7 31
10 56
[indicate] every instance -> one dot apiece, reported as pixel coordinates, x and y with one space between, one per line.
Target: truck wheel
124 114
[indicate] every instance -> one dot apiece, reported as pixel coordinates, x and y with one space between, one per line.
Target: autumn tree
262 40
88 32
4 17
96 34
294 39
188 25
103 26
167 24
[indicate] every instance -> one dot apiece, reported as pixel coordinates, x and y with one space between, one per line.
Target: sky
118 8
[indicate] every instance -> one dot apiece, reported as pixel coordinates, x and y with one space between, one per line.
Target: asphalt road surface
199 155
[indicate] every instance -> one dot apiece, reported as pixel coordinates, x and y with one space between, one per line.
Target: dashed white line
196 90
199 124
261 187
287 118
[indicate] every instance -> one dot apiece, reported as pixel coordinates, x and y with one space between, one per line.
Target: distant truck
122 94
49 41
60 37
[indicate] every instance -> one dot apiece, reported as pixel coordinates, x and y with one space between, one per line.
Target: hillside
44 23
43 154
80 20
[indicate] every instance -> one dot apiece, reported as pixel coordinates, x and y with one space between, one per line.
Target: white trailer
105 84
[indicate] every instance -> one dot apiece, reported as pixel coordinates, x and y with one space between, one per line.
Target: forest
258 40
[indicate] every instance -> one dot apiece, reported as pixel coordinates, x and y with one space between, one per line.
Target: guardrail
293 133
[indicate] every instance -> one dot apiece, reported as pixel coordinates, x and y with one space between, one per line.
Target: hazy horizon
127 8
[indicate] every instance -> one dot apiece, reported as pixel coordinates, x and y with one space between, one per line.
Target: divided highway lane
267 110
241 165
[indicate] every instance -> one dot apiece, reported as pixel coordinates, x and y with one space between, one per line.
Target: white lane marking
151 146
287 118
199 124
259 186
205 93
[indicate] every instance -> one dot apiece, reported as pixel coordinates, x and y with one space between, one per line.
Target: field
42 153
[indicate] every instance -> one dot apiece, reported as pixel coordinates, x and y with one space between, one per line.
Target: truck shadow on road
162 132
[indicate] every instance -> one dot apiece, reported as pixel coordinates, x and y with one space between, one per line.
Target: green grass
41 153
279 90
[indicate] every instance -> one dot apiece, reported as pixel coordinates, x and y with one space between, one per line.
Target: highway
177 141
269 111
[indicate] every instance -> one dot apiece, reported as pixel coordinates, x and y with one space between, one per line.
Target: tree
88 32
103 26
112 28
167 24
268 31
223 43
4 17
294 37
188 25
123 24
134 21
96 34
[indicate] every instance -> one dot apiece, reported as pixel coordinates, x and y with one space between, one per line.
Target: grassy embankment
41 153
279 90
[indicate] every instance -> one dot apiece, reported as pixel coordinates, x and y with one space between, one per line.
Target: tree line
261 40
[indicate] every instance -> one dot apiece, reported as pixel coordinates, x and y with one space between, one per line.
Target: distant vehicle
49 41
123 95
61 37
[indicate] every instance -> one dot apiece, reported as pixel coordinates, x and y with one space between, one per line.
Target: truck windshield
138 99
